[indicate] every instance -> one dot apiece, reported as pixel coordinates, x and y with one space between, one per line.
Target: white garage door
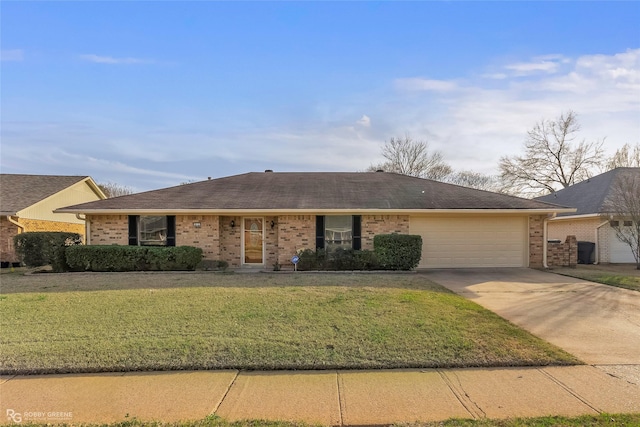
620 251
472 242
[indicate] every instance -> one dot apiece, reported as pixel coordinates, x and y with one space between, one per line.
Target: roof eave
308 211
580 216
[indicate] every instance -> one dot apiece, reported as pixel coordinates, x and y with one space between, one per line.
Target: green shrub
312 260
133 258
398 251
366 260
340 259
36 249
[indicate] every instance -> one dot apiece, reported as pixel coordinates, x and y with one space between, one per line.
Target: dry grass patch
160 321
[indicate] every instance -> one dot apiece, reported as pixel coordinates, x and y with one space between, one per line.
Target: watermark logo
38 416
14 416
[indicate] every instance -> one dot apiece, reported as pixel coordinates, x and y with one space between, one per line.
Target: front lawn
620 275
88 322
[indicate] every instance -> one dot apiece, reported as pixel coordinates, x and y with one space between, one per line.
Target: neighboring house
588 223
258 219
27 203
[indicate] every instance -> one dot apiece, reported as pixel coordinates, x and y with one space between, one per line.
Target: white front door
252 241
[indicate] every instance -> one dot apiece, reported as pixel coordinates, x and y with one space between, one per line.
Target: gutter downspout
86 228
14 222
544 239
597 249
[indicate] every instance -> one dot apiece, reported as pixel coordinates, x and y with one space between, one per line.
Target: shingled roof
589 196
18 192
320 191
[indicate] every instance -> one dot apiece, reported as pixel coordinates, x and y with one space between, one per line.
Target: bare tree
552 158
111 189
476 180
411 157
625 157
623 207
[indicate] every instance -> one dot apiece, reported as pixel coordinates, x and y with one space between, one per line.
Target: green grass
602 420
622 278
165 321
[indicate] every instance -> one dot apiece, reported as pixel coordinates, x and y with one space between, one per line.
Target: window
150 230
614 223
338 231
628 223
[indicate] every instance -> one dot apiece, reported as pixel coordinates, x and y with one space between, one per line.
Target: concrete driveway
597 323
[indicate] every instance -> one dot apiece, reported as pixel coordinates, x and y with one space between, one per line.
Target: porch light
233 223
272 223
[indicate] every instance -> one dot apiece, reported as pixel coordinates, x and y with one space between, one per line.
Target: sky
151 94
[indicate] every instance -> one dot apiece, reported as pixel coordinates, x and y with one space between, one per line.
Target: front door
253 240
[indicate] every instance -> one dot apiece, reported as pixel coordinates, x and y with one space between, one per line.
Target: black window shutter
133 230
171 230
319 232
357 233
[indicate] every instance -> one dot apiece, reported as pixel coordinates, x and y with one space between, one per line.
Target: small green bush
36 249
398 251
340 259
132 258
366 260
312 260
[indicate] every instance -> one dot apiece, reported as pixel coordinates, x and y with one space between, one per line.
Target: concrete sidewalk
325 397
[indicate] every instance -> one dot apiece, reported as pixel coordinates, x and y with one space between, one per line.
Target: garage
620 251
455 242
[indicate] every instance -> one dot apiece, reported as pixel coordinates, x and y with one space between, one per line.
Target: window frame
356 232
135 231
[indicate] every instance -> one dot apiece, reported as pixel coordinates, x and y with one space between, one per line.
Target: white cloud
486 119
546 64
420 84
472 120
364 121
13 55
99 59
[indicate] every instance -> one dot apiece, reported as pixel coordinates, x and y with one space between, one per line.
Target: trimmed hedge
339 259
132 258
398 251
40 248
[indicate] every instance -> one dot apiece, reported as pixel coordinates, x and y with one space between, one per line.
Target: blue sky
152 94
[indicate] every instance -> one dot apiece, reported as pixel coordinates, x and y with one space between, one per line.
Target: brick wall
536 241
382 224
206 237
295 232
583 229
31 225
563 254
7 231
108 229
270 242
605 234
230 249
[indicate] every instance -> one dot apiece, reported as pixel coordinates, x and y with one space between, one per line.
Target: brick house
27 203
258 219
591 222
